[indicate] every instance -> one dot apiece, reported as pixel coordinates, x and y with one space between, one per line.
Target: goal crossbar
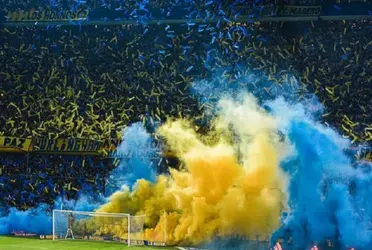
93 213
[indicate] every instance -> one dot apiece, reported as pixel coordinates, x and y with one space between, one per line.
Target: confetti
189 68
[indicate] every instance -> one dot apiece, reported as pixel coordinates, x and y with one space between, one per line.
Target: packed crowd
60 82
89 84
28 182
335 64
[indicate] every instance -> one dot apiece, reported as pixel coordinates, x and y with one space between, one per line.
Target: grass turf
17 243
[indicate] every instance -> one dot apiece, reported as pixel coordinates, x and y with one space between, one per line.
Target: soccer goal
98 226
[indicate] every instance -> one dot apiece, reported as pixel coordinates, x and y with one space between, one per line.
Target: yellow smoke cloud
227 186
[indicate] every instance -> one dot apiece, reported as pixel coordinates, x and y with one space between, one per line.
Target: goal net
96 226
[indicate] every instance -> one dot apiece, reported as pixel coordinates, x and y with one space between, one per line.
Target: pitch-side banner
100 238
47 15
14 144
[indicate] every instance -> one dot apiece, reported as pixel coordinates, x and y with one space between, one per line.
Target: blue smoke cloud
39 220
84 203
212 90
137 153
32 221
328 195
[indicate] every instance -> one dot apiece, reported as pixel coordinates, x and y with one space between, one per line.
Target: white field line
189 248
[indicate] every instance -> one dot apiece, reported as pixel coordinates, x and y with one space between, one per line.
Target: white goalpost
98 226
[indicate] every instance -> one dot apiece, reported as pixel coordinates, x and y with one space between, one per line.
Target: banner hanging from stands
14 144
56 146
66 145
290 10
109 145
47 15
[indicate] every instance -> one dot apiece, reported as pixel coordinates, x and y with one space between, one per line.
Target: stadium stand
27 182
54 86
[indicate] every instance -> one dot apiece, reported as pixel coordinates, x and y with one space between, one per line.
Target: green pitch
13 243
